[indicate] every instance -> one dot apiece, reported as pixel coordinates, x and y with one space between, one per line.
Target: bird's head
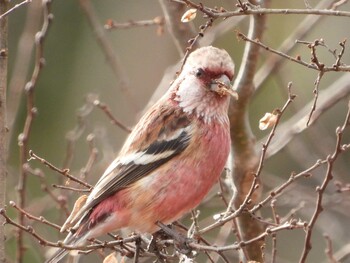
203 87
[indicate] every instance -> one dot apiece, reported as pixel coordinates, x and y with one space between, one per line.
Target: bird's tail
59 254
77 236
71 240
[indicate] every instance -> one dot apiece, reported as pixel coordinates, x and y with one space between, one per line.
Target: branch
279 190
23 138
73 135
109 53
297 124
40 219
157 21
59 244
313 65
315 91
22 61
4 4
102 106
5 13
64 172
193 42
243 141
273 63
321 189
258 10
180 32
269 231
329 249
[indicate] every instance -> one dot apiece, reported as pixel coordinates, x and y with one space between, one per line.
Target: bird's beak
222 86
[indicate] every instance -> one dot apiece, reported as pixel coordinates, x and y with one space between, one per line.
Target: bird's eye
199 72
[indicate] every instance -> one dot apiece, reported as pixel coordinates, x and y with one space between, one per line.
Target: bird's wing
162 137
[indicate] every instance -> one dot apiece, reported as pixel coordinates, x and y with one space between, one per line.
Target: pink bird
169 162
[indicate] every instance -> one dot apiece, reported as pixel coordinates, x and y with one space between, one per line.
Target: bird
171 159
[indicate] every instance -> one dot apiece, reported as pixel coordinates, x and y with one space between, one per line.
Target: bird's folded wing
169 134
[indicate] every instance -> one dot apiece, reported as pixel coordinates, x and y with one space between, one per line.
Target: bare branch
193 42
329 249
22 59
312 65
85 171
40 219
109 114
321 189
338 3
80 190
4 4
285 226
341 187
180 32
273 63
23 138
157 21
110 54
6 13
243 141
64 172
315 91
258 10
296 124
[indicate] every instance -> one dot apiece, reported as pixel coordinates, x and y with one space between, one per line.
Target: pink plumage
172 158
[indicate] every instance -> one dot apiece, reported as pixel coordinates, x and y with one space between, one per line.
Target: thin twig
297 124
315 91
276 219
329 249
341 187
109 114
110 54
236 246
80 190
340 55
338 3
23 138
296 60
40 219
73 135
60 199
193 42
278 113
157 21
3 15
273 63
321 189
4 4
257 10
180 32
64 172
22 61
59 244
278 190
206 242
84 172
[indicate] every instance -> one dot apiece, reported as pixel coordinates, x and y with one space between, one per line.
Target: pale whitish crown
216 58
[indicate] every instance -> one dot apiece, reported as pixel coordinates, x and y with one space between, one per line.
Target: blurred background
76 72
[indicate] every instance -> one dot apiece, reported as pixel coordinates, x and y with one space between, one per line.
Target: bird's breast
180 185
